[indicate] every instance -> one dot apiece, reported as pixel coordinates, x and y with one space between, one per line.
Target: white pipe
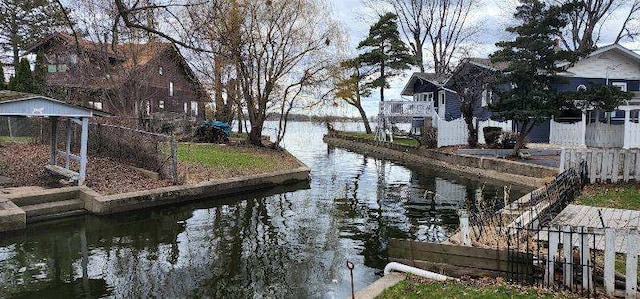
393 266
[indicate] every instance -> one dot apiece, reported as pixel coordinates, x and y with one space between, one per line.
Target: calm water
289 242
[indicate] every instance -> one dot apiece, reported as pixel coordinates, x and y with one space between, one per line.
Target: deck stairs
45 206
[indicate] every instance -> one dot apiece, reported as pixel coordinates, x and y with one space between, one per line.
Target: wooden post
464 228
567 252
68 147
54 140
174 159
554 238
583 130
626 143
83 150
585 251
632 264
9 124
562 159
609 260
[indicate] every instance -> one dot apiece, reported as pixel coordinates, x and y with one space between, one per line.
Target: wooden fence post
174 159
554 238
609 260
464 228
632 264
567 250
562 159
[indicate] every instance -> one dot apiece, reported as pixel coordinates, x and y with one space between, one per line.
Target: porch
617 129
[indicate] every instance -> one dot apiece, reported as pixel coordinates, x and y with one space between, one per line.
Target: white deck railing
407 108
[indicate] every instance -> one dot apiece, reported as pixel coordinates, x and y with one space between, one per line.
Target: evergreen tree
2 83
23 80
11 85
39 73
385 51
532 58
23 22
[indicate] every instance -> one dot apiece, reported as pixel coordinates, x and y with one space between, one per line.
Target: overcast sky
495 16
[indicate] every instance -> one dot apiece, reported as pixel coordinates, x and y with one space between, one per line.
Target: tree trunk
519 144
255 135
472 130
365 120
382 76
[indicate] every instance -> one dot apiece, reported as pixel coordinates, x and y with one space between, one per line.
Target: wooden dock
596 219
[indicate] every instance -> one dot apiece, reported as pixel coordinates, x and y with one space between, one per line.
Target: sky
495 16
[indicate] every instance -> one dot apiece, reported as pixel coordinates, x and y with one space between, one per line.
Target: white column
83 150
54 140
583 129
68 147
627 130
551 129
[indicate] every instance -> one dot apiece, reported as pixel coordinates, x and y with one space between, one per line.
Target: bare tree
473 85
587 18
444 26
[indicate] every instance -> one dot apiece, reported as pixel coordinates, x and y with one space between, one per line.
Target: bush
508 140
429 137
492 136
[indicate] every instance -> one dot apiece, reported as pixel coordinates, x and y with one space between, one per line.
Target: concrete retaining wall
170 195
486 163
512 172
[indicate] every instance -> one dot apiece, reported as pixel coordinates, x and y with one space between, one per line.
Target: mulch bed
24 164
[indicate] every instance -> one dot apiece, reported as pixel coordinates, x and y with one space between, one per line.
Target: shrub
429 137
492 136
508 140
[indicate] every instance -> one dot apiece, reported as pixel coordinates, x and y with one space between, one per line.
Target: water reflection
281 243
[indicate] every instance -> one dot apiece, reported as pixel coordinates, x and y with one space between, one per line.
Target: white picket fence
604 135
604 164
585 240
455 132
567 134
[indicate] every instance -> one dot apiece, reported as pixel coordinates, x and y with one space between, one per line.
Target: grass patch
396 140
625 196
413 288
15 139
224 156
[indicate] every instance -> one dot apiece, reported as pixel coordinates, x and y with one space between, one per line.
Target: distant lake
282 243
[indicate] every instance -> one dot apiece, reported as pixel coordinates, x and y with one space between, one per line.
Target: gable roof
601 50
9 96
432 78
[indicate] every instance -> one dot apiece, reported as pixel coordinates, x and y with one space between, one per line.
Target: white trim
622 85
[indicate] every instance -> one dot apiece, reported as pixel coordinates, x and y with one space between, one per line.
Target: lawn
623 196
210 161
414 287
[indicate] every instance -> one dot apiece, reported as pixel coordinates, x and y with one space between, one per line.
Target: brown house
131 80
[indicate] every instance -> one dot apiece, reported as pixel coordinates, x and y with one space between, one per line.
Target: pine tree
385 51
39 73
23 22
532 58
2 83
11 85
23 79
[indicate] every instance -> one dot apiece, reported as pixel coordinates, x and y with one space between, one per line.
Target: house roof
129 57
432 78
601 50
8 100
487 63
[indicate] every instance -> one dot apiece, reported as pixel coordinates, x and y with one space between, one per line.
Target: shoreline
20 209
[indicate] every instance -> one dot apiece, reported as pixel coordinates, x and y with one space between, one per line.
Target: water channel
289 242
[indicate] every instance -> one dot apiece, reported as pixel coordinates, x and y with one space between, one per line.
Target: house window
443 98
171 89
622 85
194 108
160 104
581 87
52 68
73 59
160 71
95 105
428 96
62 68
185 108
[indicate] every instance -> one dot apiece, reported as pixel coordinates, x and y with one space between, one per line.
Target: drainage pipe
393 266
